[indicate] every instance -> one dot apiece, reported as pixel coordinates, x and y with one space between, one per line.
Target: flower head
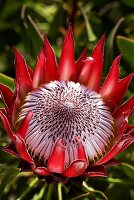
62 123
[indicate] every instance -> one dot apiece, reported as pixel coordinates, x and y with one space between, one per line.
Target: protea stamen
67 110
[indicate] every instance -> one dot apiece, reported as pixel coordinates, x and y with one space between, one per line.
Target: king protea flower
62 123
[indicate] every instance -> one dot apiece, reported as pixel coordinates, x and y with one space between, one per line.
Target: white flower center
67 110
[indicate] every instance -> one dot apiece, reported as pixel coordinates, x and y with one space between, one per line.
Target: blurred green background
23 24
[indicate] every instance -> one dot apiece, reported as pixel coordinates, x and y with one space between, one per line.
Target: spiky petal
108 89
40 70
121 88
80 62
95 76
66 69
6 96
22 75
86 71
51 65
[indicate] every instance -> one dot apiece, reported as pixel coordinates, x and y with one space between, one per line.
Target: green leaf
129 3
110 43
126 46
90 33
115 192
31 37
47 13
6 80
9 11
129 170
10 174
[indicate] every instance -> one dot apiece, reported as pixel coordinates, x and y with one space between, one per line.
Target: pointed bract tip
16 51
70 24
17 54
47 47
45 38
84 53
70 31
99 46
117 59
41 54
103 38
46 42
14 48
101 42
83 56
131 76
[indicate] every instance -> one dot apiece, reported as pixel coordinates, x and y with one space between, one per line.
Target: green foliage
6 80
126 46
23 24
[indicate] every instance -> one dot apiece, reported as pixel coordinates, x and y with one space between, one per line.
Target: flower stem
90 33
90 189
35 27
80 196
41 193
49 193
127 165
59 191
120 181
28 189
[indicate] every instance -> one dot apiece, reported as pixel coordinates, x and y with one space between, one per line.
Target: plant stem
120 181
49 193
80 196
90 33
90 189
28 189
59 191
40 195
35 27
127 165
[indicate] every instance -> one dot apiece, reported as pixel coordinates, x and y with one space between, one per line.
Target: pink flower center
67 110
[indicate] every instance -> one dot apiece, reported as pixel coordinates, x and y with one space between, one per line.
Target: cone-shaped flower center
67 110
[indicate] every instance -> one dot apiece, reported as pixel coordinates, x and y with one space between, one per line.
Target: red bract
61 122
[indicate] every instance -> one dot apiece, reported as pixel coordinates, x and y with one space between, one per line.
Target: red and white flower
62 123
